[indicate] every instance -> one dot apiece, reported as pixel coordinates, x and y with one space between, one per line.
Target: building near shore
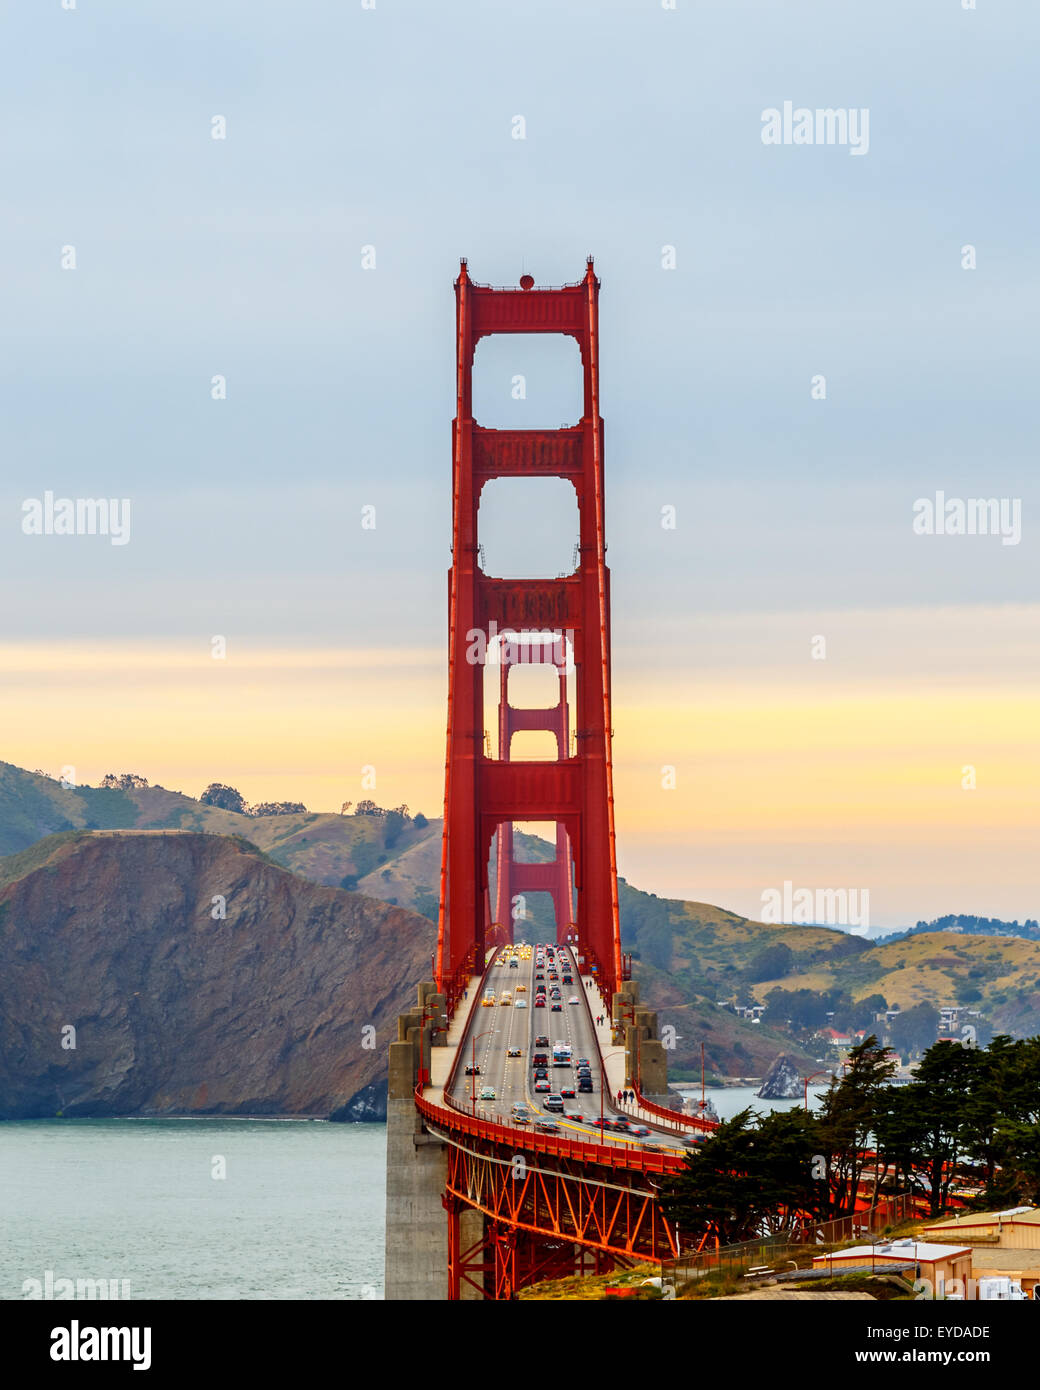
936 1262
1003 1243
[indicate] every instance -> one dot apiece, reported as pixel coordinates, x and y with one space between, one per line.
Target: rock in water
782 1081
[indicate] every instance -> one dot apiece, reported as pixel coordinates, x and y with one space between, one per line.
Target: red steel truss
482 795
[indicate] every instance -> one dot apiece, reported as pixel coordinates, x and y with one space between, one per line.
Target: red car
539 1003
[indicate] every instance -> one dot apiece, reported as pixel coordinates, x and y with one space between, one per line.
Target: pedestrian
619 1095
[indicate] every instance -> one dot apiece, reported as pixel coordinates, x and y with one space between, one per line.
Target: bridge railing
675 1119
452 1116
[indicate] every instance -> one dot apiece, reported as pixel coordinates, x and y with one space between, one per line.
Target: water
729 1101
299 1214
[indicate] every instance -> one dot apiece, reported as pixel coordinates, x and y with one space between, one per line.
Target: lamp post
426 1013
603 1081
807 1079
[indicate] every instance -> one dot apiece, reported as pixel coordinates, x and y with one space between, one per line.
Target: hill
321 846
261 1011
689 955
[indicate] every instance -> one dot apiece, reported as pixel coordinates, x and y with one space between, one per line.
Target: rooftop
1015 1216
900 1250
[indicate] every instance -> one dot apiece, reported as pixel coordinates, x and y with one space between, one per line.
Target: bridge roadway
492 1032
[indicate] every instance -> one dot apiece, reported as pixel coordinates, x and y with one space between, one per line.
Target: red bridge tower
570 618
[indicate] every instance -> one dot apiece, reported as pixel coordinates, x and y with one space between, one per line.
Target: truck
1000 1287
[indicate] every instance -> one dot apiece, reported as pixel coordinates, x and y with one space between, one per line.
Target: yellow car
505 999
521 989
488 1002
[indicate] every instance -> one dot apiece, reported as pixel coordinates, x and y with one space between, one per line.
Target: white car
520 1004
573 999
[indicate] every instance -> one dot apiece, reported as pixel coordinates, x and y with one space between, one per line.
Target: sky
899 756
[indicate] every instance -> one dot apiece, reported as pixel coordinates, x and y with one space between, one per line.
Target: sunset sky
243 257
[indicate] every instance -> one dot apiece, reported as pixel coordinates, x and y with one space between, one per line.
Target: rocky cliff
165 973
782 1082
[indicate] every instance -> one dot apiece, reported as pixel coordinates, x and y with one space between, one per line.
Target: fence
804 1241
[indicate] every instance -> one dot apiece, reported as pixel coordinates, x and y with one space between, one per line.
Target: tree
770 963
754 1174
277 808
345 807
393 828
847 1118
226 798
921 1128
914 1030
368 808
420 822
124 781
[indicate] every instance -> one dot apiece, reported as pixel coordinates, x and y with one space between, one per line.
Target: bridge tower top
483 796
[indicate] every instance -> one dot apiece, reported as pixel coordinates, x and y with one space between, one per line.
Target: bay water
194 1208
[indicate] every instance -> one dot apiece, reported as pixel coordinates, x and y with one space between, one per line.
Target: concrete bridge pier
645 1058
416 1170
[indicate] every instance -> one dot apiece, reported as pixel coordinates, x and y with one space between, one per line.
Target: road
493 1032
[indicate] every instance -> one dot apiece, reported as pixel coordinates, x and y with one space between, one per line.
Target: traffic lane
493 1032
512 1079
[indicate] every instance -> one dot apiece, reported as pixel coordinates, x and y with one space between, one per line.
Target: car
601 1122
488 1002
541 1040
583 1074
585 1084
547 1126
640 1131
556 1008
553 1101
542 1085
521 989
520 1004
539 976
573 999
521 1118
515 1052
582 1063
487 1093
505 1000
573 1115
540 1059
539 1003
514 964
567 1092
472 1071
540 1073
620 1126
568 979
693 1141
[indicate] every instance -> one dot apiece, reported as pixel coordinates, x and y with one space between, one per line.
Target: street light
603 1080
807 1079
426 1013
